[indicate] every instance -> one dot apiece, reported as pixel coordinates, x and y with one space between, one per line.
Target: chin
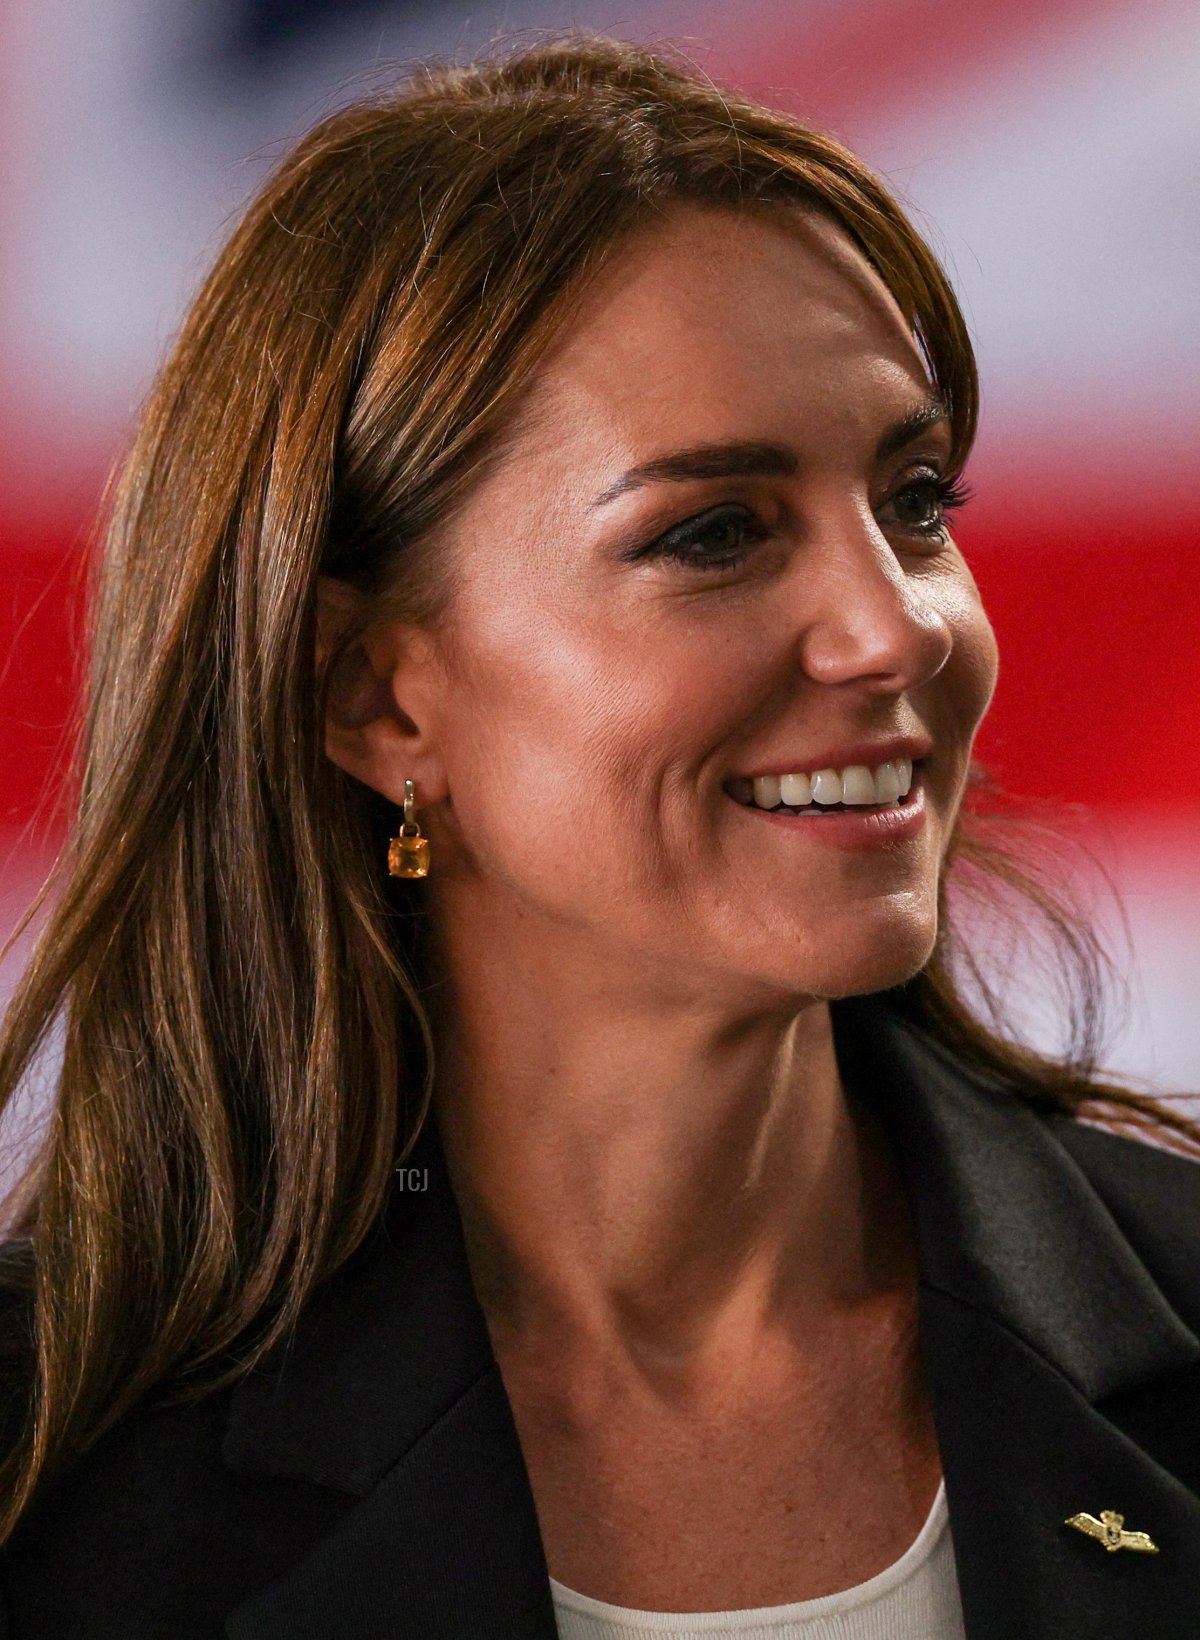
858 967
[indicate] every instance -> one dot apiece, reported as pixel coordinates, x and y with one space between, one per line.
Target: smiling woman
617 1222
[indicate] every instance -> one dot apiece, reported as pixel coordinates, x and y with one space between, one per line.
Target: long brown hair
245 1051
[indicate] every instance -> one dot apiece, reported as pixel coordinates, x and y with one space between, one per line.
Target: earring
408 852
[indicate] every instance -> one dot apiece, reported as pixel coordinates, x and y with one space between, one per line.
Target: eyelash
951 494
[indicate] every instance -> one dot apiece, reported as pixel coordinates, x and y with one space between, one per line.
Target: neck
657 1175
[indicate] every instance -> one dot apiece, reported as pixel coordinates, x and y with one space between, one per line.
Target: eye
925 503
719 539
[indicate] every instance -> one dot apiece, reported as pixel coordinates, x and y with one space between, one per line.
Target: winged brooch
1109 1529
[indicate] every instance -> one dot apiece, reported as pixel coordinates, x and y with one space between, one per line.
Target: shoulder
1150 1192
149 1532
1153 1195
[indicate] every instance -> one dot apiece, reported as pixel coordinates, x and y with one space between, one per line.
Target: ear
382 696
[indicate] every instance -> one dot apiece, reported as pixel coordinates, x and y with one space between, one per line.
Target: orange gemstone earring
408 852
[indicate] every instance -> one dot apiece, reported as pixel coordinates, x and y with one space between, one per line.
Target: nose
867 619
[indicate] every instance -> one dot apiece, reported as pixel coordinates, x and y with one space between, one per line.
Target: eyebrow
755 459
919 419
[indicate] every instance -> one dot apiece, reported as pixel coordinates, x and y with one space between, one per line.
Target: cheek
582 734
980 663
962 694
966 685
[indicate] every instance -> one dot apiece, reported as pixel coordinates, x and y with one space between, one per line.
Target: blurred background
1047 149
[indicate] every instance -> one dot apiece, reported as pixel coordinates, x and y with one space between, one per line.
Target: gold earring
408 852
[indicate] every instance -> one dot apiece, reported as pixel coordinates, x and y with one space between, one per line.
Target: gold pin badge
1109 1530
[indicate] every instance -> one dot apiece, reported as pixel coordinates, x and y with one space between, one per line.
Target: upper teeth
856 785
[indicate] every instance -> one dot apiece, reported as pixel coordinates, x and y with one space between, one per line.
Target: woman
618 1215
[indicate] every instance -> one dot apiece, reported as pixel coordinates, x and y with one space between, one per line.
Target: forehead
715 322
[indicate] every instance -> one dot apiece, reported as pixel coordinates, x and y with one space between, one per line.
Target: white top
916 1598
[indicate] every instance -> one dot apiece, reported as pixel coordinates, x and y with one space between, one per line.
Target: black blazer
368 1484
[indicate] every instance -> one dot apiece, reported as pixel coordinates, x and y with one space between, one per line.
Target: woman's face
714 551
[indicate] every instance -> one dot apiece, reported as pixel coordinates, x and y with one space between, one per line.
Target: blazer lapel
1036 1316
446 1545
1022 1450
1038 1319
392 1394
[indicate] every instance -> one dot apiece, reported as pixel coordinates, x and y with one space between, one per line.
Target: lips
854 827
